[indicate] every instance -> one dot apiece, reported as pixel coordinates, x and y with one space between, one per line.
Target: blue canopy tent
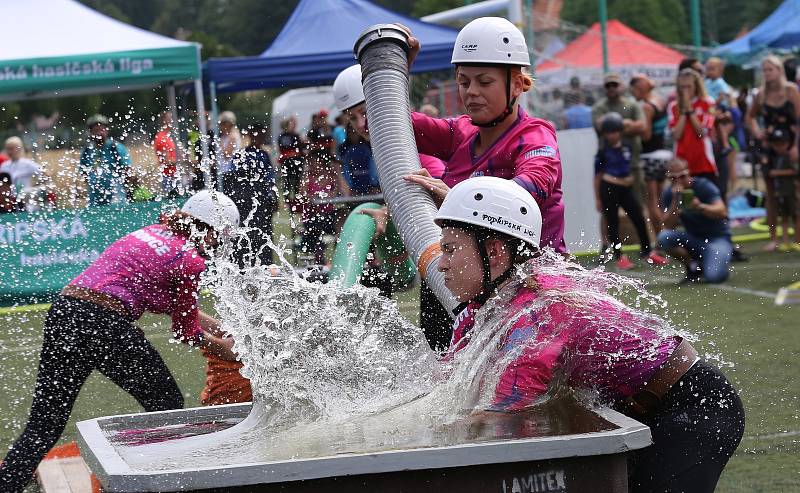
781 30
317 43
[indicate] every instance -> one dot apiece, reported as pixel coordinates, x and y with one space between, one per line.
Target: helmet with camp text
490 41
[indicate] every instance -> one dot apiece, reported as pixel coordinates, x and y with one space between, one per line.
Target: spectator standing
725 147
167 155
230 140
782 171
26 175
251 186
704 247
577 113
691 120
105 164
633 120
612 183
323 181
290 159
777 106
575 91
198 179
8 195
655 157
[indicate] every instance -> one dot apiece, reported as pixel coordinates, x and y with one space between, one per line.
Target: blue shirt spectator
615 161
578 116
705 247
716 87
694 221
105 164
358 167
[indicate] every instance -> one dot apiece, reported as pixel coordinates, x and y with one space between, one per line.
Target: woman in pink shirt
551 334
91 325
496 137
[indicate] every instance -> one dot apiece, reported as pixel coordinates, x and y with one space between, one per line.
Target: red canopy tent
629 52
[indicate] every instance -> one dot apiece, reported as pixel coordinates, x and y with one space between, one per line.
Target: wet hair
527 79
181 223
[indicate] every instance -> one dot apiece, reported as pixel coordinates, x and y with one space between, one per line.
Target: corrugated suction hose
382 52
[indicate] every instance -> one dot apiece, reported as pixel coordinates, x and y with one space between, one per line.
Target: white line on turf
721 287
771 436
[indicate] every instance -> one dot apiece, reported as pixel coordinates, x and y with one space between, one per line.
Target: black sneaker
739 256
694 273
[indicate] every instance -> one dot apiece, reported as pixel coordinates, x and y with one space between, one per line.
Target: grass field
737 324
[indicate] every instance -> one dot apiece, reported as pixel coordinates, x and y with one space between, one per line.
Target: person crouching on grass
613 188
90 326
595 342
704 246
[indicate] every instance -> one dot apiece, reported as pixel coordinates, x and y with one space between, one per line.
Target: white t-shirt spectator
22 172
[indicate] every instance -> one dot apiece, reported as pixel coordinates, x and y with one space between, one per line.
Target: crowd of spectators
645 140
692 138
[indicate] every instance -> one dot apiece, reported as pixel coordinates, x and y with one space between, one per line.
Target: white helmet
490 40
347 88
495 204
215 209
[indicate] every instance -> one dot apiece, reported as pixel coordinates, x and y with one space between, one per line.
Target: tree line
246 27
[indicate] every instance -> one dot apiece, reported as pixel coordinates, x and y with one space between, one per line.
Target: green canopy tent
56 48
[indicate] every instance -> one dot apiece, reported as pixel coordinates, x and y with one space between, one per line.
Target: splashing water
340 370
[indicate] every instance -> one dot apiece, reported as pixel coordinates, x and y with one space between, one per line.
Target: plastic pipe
382 52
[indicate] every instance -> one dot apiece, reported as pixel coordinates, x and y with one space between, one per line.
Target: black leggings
612 197
695 432
79 337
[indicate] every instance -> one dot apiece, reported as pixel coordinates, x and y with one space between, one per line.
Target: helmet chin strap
489 284
509 105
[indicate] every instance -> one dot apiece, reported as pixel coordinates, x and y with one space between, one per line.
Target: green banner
41 252
122 68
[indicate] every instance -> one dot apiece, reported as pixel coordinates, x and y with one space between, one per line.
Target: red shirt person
691 120
167 154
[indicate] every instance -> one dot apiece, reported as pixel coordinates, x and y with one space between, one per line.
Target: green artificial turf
756 343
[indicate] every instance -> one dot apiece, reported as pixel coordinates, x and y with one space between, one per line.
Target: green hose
353 246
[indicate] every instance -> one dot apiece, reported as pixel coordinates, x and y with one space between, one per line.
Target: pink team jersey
526 153
153 270
599 344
